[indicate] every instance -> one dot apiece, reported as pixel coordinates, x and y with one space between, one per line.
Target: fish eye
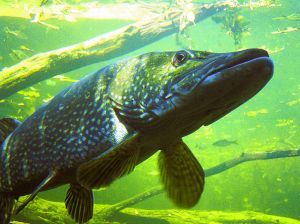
179 58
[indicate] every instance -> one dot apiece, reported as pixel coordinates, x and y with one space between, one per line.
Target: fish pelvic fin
104 169
7 126
6 206
80 203
181 174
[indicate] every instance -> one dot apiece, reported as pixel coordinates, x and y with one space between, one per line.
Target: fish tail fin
7 126
6 207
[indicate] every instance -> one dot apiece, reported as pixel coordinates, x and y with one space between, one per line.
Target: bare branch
246 157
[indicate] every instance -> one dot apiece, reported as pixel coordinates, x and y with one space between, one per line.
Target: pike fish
100 128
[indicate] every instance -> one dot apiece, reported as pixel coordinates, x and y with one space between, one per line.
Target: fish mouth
242 79
231 62
222 84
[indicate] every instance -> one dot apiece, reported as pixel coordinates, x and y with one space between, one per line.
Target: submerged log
104 47
42 211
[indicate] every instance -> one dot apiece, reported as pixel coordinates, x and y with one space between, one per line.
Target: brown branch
244 157
137 198
110 211
104 47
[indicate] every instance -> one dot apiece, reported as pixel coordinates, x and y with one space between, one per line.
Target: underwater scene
155 112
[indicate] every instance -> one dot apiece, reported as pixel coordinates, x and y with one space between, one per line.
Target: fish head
187 88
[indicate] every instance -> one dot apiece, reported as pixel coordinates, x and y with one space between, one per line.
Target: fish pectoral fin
104 169
80 203
181 174
46 180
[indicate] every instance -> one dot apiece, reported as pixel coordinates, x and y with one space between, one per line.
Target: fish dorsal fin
7 126
104 169
181 174
79 203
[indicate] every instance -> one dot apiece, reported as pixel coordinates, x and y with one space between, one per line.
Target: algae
42 211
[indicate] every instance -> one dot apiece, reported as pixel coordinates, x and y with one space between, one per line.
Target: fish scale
45 133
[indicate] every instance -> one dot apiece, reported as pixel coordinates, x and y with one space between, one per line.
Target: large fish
101 127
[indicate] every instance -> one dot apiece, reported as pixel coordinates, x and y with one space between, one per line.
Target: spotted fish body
75 126
100 128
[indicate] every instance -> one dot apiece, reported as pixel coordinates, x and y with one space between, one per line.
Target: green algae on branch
104 47
42 211
175 216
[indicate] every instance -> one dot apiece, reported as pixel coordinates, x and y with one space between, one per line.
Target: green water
269 121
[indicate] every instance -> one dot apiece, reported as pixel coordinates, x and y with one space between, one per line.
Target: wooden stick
104 47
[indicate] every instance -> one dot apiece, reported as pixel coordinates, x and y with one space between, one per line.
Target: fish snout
236 82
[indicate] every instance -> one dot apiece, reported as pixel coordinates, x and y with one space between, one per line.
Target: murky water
267 122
